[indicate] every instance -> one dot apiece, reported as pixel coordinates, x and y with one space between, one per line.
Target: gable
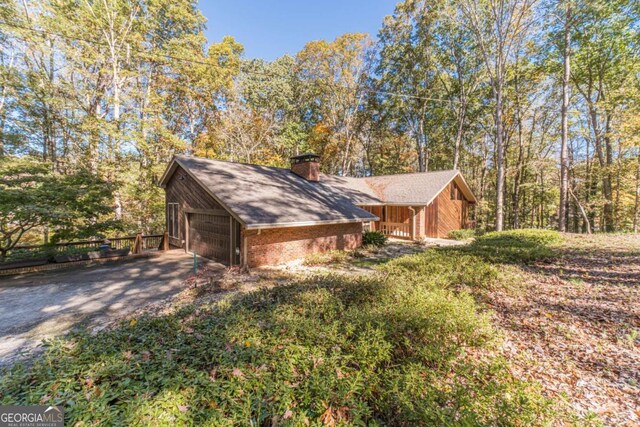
265 197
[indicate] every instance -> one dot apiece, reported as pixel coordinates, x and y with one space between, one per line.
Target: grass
515 246
409 346
463 234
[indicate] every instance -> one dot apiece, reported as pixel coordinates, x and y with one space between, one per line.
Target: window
456 194
172 220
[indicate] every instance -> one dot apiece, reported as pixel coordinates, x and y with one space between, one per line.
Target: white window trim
173 223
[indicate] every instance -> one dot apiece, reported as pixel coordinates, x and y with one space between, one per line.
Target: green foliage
515 246
463 234
75 205
374 238
444 268
359 350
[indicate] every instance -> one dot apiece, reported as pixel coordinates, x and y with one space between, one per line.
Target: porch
395 221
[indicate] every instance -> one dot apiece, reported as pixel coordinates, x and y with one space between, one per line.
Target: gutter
310 223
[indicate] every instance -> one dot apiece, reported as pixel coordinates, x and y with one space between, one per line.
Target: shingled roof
261 196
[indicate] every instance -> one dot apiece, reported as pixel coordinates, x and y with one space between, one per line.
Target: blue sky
271 28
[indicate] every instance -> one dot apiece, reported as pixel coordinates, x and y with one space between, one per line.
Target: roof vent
307 166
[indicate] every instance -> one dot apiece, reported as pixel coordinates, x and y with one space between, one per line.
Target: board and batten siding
185 191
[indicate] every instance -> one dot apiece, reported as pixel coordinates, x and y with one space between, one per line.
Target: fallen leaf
133 322
212 374
237 373
288 414
327 417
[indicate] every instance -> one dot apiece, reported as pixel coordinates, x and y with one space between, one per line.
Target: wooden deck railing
396 229
149 242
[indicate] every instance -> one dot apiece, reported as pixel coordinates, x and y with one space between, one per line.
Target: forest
537 102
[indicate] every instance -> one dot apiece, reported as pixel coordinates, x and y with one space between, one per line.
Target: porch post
413 223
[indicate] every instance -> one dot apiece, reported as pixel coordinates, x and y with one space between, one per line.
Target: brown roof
261 196
413 189
416 188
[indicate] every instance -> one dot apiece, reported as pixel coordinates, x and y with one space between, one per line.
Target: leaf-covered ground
406 345
573 324
516 328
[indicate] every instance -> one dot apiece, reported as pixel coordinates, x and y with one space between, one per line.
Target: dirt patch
574 326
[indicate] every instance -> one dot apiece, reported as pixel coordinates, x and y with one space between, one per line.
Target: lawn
418 341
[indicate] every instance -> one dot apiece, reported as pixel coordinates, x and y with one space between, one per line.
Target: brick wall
278 245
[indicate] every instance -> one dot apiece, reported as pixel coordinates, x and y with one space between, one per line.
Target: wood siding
445 214
185 191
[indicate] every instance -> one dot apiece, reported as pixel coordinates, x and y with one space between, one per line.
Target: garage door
210 236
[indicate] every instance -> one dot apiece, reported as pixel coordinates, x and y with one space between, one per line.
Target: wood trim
216 212
231 239
216 198
186 231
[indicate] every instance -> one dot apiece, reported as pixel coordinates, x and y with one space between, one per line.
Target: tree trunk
636 205
607 188
459 133
500 156
564 166
585 217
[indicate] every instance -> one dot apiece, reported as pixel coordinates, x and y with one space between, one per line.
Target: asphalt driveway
41 305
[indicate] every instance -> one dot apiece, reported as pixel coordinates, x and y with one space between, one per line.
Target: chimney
306 166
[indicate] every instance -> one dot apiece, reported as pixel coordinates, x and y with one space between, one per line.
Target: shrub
463 234
374 238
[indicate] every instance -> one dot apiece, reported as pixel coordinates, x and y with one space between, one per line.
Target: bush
463 234
374 238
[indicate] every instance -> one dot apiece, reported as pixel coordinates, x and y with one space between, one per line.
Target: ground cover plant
462 234
407 346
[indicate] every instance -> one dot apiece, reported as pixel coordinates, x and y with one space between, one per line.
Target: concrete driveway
42 305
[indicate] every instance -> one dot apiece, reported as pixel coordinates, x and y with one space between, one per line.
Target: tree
333 91
498 25
605 58
408 72
564 154
32 196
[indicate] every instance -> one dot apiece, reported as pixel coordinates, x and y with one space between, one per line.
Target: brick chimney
307 166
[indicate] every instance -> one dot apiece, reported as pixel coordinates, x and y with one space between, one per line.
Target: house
251 215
